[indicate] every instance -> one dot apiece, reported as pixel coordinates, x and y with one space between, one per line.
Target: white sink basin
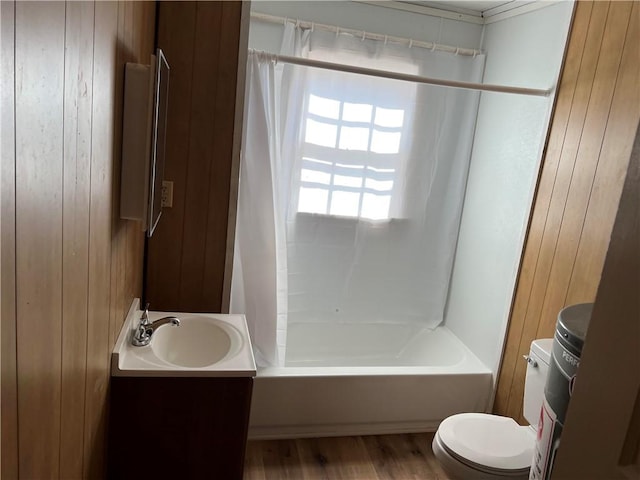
203 345
196 342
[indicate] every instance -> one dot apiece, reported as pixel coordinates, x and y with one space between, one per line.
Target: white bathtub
366 379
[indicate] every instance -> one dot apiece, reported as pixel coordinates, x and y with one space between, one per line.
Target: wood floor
385 457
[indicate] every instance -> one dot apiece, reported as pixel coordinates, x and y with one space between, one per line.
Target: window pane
345 203
324 107
385 142
315 176
313 200
387 117
375 207
354 138
320 133
348 175
357 112
347 181
382 186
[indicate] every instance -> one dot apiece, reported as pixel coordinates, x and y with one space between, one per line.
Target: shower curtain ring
363 35
386 37
433 47
410 42
297 23
313 25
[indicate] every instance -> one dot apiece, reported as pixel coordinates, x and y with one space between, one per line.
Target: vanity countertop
185 351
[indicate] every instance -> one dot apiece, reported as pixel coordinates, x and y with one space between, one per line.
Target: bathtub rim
403 371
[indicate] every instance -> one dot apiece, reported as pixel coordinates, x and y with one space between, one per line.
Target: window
354 146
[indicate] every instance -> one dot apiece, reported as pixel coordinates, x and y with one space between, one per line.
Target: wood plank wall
586 158
610 449
70 266
8 368
186 255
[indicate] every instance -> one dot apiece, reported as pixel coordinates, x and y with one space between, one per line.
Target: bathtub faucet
142 335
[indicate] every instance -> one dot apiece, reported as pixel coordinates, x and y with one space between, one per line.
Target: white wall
264 36
523 51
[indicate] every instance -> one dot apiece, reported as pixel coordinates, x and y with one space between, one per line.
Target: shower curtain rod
368 35
306 62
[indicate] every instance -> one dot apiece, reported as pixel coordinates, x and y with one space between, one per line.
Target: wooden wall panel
176 36
70 266
118 227
224 127
583 171
8 355
610 449
187 252
203 143
77 123
101 238
622 117
39 75
587 157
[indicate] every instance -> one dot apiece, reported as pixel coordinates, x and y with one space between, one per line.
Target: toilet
472 446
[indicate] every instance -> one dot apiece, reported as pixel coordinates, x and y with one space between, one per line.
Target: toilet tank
537 368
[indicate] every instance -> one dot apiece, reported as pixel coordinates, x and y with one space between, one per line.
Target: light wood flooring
384 457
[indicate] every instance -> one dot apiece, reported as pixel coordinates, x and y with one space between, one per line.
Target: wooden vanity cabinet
178 427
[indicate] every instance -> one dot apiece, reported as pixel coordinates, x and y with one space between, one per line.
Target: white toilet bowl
472 446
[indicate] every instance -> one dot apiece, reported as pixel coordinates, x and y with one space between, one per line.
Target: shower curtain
351 187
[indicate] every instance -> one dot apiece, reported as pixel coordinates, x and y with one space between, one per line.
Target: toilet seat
488 443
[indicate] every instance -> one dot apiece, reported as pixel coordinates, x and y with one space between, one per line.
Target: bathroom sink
203 345
197 342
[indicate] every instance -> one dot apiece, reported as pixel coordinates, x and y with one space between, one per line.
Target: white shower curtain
351 187
259 280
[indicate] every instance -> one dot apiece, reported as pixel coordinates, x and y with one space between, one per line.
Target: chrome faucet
142 335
